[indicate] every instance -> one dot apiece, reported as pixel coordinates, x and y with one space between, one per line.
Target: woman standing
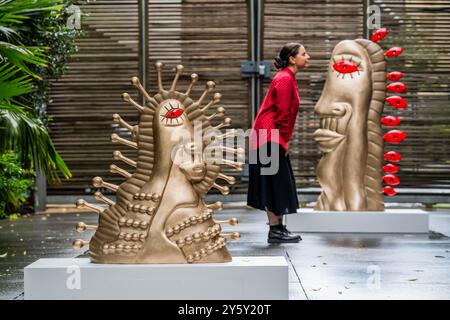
274 190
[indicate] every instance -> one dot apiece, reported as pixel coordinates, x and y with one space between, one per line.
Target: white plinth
243 278
389 221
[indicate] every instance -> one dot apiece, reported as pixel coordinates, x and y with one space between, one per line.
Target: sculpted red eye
397 102
394 136
390 168
393 156
390 121
392 180
174 113
344 66
389 191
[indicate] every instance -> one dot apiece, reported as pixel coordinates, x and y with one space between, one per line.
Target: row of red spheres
393 136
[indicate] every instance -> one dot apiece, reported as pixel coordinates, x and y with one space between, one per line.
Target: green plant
15 184
23 65
51 32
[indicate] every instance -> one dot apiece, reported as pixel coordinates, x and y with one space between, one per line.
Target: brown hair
289 50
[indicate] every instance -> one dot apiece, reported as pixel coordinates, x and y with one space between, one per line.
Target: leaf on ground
4 255
415 279
346 287
340 292
316 289
439 256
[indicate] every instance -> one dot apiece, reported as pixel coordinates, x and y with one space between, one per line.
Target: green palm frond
28 137
29 6
20 130
9 33
12 86
20 56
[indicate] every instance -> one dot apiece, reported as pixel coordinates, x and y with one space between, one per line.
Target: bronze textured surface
350 135
160 215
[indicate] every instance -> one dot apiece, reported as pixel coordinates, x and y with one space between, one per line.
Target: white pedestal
243 278
389 221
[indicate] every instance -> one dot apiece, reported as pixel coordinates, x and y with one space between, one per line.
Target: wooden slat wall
207 37
422 29
210 39
319 25
84 100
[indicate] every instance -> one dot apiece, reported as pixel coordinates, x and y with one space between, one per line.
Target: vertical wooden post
143 43
366 31
255 41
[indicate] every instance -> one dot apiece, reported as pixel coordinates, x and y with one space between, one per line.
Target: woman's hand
287 148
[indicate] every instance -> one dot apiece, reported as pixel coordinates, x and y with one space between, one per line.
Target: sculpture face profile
350 134
160 215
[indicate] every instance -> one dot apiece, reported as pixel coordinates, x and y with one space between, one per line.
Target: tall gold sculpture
160 215
350 135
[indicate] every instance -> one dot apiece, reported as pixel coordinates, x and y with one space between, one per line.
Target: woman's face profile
301 60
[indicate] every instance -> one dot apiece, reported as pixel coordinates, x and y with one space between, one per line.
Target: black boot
278 235
286 231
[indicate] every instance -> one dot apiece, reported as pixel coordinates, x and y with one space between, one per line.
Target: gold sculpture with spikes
160 215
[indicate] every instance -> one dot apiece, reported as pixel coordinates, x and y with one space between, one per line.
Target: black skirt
269 186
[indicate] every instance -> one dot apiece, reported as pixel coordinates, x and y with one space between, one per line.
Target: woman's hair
289 50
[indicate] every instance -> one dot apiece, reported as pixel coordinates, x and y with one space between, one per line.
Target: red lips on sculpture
397 102
395 76
389 191
393 52
390 121
390 168
379 34
391 179
394 136
393 156
396 87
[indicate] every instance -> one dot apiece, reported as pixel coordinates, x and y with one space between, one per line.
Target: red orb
394 52
389 191
390 168
393 156
394 136
395 76
379 34
390 121
391 180
396 87
397 102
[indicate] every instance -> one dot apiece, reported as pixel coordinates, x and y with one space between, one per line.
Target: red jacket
278 111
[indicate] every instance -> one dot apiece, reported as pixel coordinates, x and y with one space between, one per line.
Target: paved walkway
322 266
